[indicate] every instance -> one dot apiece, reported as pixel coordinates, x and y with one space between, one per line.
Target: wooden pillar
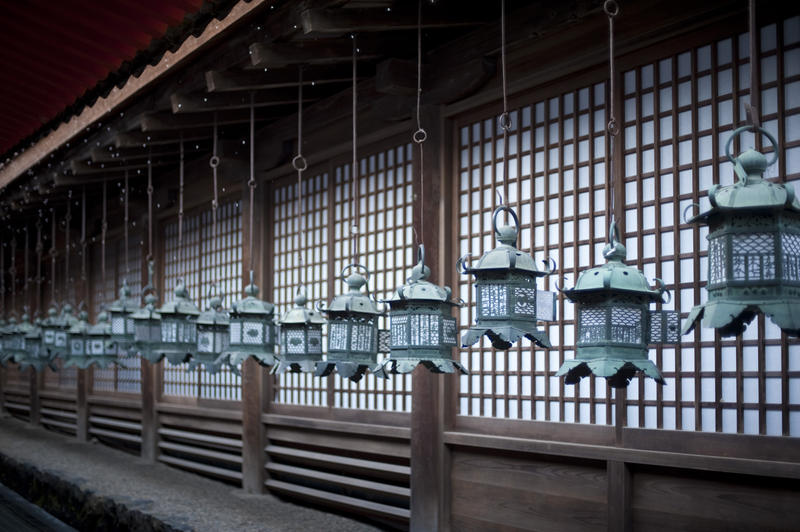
619 497
149 448
82 410
253 375
35 403
428 491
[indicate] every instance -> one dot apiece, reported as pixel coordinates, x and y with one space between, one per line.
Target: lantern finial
614 250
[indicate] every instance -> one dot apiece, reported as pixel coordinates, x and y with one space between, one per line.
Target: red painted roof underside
52 51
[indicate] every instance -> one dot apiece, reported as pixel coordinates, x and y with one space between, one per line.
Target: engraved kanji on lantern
147 324
78 343
121 310
55 328
213 337
508 303
179 326
753 249
614 321
101 349
37 356
352 328
301 338
252 329
18 341
423 330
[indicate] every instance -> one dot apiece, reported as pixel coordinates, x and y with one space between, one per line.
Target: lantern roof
181 304
251 305
125 303
25 327
505 256
300 315
751 191
81 326
614 275
214 315
148 312
418 288
355 300
34 331
102 327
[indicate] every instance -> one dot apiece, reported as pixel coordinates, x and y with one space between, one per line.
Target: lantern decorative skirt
753 249
422 328
213 336
79 342
352 329
178 326
121 310
505 281
252 329
301 338
615 323
147 328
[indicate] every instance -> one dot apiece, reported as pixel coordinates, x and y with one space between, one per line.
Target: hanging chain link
13 272
611 9
354 168
25 269
505 120
420 134
83 236
252 181
180 204
127 221
300 164
39 250
67 225
214 163
150 205
53 255
104 230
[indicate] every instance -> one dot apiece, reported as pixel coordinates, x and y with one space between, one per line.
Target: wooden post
35 412
427 404
82 406
619 497
149 448
253 375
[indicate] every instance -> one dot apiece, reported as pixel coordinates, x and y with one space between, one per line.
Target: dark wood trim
81 407
619 497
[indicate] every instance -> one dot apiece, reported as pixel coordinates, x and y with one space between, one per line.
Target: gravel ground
178 499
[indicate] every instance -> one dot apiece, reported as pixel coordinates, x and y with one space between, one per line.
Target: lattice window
557 185
201 261
679 113
289 240
753 257
386 249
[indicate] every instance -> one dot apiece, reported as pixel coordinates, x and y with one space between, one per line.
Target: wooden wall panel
507 491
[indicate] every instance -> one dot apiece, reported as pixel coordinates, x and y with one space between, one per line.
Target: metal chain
149 205
505 122
53 254
127 220
299 163
180 204
755 92
252 181
420 134
611 9
13 272
25 269
214 163
83 235
354 168
3 274
104 229
39 250
67 224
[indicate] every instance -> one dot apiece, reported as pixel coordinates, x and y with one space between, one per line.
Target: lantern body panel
252 329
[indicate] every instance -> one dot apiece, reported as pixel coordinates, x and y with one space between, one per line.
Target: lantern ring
421 255
356 266
460 302
611 8
613 127
505 121
510 211
461 264
214 161
299 163
741 130
420 136
697 205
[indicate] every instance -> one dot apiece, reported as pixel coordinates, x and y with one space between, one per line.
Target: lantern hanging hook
735 160
662 289
504 233
686 211
461 263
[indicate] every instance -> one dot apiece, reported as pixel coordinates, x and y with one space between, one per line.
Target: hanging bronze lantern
78 343
102 351
50 325
21 352
505 282
213 337
147 328
38 358
422 328
121 310
55 329
12 339
5 356
252 329
178 326
753 249
352 328
614 321
301 338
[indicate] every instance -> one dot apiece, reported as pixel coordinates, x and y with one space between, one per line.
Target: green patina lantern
122 326
301 338
252 329
4 355
213 337
422 329
12 338
147 328
78 343
178 326
19 344
54 330
352 328
508 306
753 249
614 321
38 357
102 351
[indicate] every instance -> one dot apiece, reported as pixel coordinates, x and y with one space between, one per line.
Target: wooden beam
83 168
140 139
444 83
166 121
205 102
258 79
111 153
319 52
341 21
